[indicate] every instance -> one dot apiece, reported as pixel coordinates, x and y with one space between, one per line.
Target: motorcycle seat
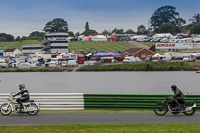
29 101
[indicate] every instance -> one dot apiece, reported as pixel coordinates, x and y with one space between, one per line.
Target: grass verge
157 66
39 69
105 128
76 46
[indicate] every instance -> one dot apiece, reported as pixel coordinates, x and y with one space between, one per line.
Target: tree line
164 20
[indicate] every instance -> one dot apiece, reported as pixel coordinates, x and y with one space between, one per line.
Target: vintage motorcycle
29 106
161 108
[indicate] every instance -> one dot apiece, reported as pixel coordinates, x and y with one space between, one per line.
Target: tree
71 34
166 14
77 34
118 31
195 29
130 31
17 38
3 39
7 37
195 18
167 28
105 32
56 25
89 31
36 35
87 26
24 38
141 30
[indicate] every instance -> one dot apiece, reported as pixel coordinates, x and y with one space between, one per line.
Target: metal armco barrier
140 102
80 101
54 101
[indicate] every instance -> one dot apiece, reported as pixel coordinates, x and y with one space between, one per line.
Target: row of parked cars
169 40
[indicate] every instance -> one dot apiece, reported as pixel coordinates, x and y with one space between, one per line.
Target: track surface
96 118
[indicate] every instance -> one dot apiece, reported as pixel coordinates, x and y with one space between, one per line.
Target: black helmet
21 86
174 87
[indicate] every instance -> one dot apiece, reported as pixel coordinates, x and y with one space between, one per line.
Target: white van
131 59
72 63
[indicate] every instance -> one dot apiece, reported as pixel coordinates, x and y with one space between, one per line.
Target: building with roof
55 43
12 52
31 49
142 53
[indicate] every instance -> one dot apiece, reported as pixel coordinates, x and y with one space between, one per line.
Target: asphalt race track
96 118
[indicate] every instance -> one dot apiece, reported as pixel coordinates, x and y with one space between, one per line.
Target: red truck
80 58
197 57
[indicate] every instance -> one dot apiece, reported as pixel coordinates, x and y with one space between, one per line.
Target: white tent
98 38
162 35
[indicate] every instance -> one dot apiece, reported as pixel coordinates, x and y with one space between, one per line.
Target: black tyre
175 113
189 113
34 107
3 111
160 109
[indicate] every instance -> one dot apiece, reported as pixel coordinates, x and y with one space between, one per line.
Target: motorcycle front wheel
7 111
160 109
35 108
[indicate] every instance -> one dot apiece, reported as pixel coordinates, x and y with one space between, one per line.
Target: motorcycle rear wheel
160 109
33 112
190 112
5 112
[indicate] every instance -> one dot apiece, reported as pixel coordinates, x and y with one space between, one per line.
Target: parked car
90 63
3 65
72 63
99 62
148 58
179 58
131 59
189 58
64 63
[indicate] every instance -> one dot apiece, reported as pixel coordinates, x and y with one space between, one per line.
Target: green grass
157 66
76 46
149 43
104 128
99 46
18 45
39 69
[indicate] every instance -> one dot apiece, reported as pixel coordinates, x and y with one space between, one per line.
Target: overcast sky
21 17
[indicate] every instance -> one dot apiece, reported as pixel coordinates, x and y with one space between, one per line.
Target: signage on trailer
177 45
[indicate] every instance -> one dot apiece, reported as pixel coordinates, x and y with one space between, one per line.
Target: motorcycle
161 108
29 106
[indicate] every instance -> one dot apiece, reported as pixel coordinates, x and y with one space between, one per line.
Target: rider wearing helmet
178 96
24 95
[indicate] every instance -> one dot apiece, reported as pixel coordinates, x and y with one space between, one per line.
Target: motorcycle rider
24 95
178 96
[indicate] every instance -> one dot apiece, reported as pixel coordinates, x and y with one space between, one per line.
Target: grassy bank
158 66
149 43
18 45
39 69
104 128
99 46
76 46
